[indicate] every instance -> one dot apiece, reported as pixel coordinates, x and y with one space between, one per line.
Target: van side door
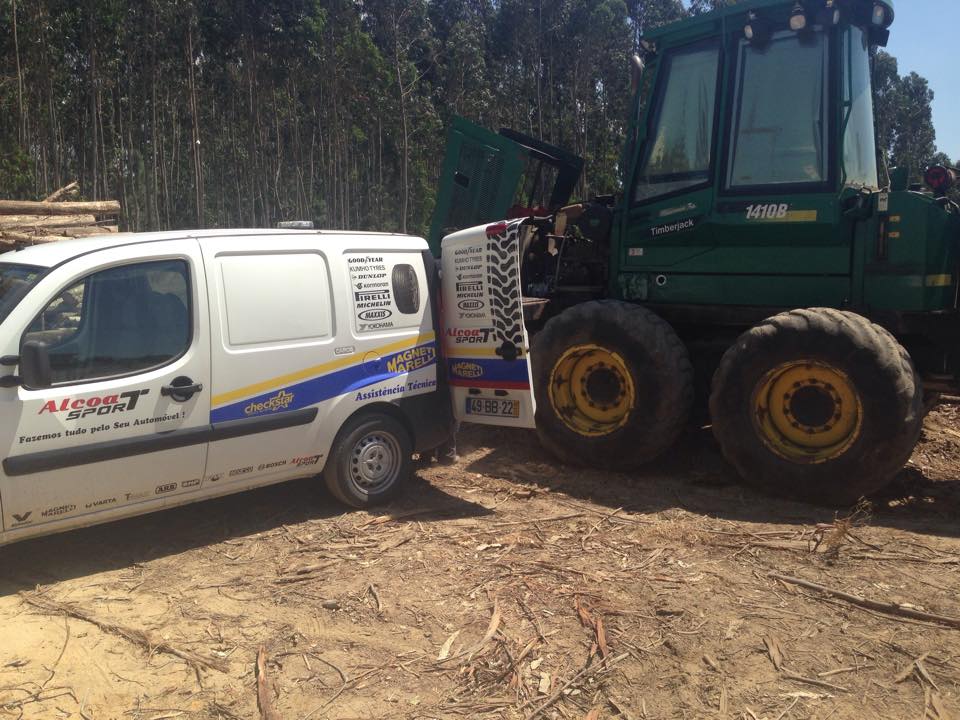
274 331
124 425
485 341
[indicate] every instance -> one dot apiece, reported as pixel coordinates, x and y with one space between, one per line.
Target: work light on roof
879 17
758 30
798 18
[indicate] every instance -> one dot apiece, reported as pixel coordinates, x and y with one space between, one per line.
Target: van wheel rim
807 411
375 462
591 390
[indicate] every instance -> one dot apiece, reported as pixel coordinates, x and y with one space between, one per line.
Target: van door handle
181 389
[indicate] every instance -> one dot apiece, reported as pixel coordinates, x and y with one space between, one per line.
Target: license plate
493 408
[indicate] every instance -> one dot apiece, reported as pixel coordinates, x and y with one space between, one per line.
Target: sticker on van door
386 291
401 368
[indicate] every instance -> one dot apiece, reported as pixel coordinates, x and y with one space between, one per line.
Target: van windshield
15 283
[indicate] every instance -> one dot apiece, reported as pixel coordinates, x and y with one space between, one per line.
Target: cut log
71 189
11 236
19 237
24 207
76 232
20 221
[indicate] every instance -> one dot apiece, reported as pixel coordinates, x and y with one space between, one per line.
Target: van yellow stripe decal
293 377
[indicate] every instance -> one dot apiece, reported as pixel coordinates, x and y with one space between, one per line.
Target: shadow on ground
125 543
694 477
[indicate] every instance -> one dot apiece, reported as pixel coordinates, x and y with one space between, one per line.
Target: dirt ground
505 587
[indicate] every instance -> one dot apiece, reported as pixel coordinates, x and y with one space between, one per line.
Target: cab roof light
758 30
798 18
879 16
940 179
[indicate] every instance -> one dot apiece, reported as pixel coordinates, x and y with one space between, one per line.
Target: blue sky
924 39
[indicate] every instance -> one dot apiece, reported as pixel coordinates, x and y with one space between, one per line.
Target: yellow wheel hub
591 390
807 411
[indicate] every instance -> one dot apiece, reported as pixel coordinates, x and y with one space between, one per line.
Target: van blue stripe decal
316 390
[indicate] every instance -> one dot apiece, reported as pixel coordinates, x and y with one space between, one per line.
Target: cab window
780 114
116 322
679 145
859 138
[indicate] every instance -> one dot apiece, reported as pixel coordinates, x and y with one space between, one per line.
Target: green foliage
16 174
904 117
246 112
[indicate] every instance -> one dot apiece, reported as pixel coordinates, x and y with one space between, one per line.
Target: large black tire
369 462
654 361
875 371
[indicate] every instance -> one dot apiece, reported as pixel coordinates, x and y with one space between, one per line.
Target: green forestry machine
754 237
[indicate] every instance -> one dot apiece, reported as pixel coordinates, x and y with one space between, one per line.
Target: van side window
117 321
276 298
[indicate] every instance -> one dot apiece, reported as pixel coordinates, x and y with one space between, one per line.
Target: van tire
633 373
852 430
370 461
406 289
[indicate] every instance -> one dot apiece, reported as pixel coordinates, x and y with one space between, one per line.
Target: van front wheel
369 462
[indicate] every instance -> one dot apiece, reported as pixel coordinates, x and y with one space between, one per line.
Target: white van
140 371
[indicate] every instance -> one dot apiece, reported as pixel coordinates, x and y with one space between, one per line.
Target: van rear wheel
369 462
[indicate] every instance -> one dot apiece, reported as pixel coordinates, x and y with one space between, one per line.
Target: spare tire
818 405
613 385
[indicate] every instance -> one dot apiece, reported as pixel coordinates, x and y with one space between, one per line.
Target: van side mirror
35 365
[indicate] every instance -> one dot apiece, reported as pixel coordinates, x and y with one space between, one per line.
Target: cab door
486 346
735 192
125 422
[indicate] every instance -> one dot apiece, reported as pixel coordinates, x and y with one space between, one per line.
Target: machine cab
751 157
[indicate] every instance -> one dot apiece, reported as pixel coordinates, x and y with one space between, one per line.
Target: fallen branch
372 589
814 681
344 683
491 631
382 519
268 710
558 693
138 637
304 573
70 189
888 608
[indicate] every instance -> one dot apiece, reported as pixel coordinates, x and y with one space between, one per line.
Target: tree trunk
195 128
21 126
